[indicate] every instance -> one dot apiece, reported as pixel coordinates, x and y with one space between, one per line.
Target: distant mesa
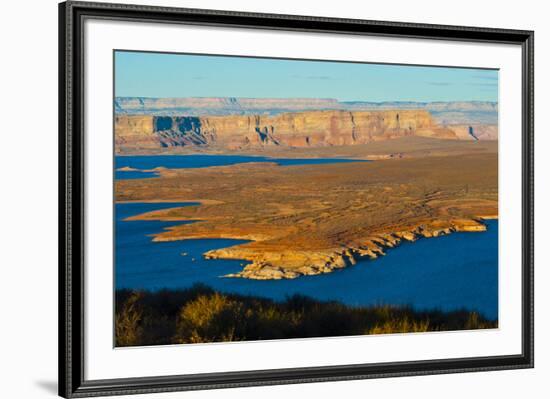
156 128
196 106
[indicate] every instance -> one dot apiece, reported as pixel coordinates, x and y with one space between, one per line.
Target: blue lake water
458 271
147 162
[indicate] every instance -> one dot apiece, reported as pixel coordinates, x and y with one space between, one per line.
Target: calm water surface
147 162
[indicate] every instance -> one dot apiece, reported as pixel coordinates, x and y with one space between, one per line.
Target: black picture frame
71 199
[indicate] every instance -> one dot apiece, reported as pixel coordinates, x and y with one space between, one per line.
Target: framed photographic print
252 199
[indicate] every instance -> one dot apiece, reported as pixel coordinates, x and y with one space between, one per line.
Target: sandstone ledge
290 265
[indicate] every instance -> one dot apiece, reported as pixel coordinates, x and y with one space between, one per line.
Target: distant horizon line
317 98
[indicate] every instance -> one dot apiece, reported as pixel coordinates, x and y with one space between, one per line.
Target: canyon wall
298 129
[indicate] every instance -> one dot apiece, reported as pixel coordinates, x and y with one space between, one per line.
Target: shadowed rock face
476 132
299 129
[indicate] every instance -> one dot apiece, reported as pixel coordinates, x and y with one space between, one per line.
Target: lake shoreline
388 240
348 256
312 219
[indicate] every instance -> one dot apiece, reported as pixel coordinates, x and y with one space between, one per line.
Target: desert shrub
199 314
476 322
404 325
211 318
128 331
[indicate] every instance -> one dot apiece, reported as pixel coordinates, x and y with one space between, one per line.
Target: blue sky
179 75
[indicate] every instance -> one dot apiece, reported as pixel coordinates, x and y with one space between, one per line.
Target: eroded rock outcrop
475 131
292 264
300 129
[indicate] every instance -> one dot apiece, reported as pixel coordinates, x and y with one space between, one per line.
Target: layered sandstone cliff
298 129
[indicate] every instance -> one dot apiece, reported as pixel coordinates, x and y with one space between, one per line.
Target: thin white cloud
312 77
